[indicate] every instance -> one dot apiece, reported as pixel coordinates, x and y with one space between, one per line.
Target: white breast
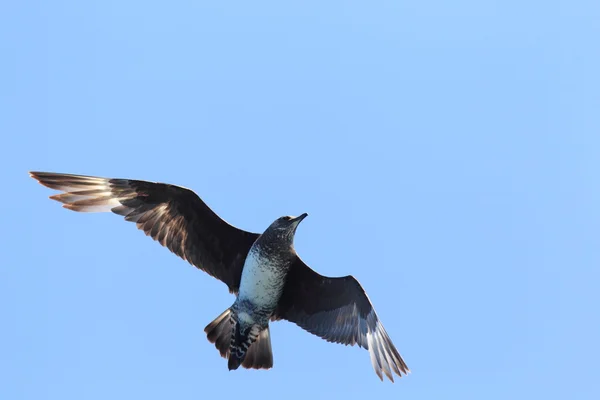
261 281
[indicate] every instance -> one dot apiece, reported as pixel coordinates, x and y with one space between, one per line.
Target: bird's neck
274 246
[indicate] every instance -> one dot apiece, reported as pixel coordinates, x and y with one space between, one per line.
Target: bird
268 278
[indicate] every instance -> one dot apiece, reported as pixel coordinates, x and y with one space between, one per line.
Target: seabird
269 279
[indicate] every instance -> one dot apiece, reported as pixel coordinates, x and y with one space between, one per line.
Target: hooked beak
296 221
299 218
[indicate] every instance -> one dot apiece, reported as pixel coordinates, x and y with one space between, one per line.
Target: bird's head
285 227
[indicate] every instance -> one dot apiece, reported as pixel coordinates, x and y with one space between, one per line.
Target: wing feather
172 215
338 310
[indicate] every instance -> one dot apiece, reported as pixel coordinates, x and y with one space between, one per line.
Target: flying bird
269 279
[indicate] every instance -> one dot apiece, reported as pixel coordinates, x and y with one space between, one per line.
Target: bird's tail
250 349
260 354
219 332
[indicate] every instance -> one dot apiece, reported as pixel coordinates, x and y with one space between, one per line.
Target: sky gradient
447 153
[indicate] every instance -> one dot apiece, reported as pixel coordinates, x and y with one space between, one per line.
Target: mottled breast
262 280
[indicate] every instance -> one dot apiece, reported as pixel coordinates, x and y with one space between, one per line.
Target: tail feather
251 350
235 360
260 354
242 338
219 332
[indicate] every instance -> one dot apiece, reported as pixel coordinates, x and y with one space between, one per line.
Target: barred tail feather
250 348
260 354
235 360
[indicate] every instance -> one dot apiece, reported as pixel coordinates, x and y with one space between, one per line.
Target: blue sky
447 153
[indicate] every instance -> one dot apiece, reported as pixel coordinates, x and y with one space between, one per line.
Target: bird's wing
172 215
338 310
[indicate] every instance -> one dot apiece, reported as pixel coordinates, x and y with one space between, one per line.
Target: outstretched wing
338 310
172 215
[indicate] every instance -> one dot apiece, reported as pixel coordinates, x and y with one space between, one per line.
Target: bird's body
263 277
264 271
261 286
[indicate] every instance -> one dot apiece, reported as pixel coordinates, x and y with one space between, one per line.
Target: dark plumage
269 279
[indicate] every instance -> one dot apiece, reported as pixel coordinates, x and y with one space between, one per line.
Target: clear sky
447 153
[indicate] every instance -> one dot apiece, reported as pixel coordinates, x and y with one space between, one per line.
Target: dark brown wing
174 216
338 310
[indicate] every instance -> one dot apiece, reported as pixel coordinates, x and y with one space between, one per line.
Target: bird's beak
299 218
296 221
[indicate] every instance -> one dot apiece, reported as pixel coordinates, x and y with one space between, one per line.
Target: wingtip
390 376
37 174
39 179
